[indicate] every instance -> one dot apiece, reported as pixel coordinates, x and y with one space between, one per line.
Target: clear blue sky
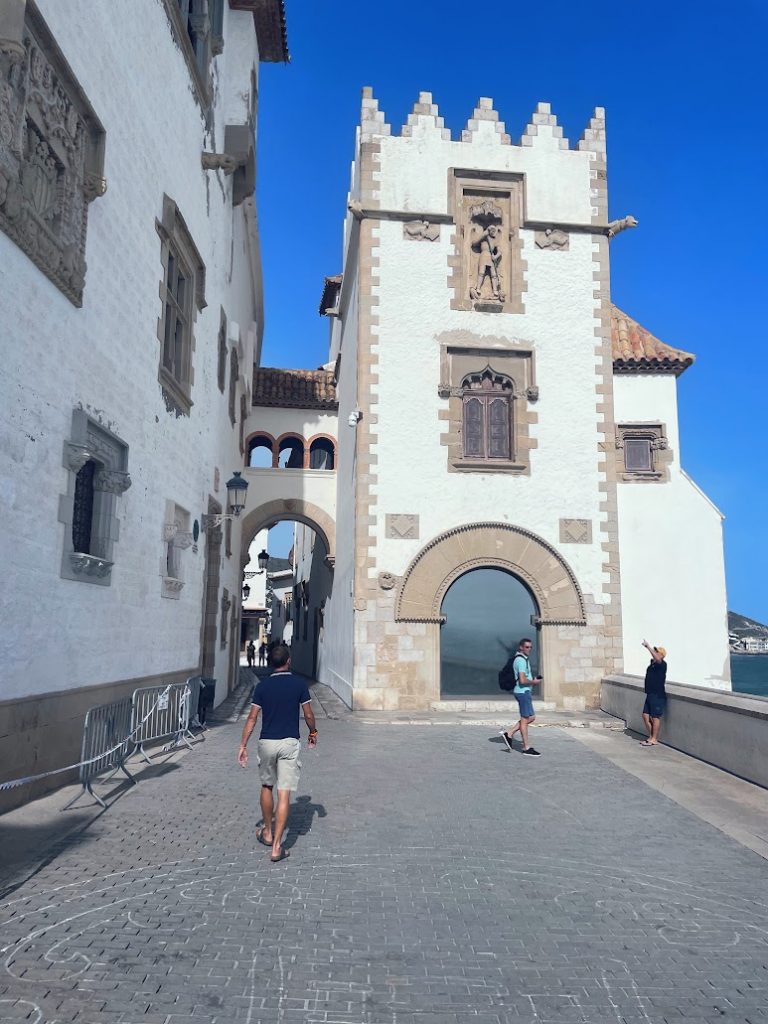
687 108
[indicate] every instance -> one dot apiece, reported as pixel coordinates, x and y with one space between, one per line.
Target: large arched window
487 399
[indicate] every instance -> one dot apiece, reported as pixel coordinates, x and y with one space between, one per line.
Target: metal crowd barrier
160 711
106 743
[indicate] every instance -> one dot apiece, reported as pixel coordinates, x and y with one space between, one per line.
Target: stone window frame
463 355
226 604
197 13
177 537
501 389
234 379
51 152
91 441
222 351
661 454
502 185
176 240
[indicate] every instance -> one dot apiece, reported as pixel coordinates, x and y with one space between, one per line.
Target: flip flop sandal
284 855
260 838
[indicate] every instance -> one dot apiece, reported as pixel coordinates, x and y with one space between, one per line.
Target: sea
749 674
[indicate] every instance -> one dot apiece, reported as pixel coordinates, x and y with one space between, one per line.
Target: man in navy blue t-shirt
279 698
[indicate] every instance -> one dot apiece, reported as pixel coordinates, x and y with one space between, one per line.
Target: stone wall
728 730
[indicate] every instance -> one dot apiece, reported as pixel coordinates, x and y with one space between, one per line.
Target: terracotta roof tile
294 389
636 350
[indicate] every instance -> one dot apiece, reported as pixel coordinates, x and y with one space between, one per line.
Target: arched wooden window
487 398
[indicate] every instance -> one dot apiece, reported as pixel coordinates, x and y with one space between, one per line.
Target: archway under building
484 613
297 587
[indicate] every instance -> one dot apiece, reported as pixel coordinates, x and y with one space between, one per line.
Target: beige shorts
279 763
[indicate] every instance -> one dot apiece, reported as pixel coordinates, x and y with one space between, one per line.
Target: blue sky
687 155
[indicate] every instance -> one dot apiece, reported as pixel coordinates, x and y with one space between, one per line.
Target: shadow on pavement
303 812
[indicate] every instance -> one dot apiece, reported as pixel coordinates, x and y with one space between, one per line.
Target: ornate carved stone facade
51 156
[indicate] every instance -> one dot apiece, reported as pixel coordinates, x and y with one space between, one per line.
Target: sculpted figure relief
487 240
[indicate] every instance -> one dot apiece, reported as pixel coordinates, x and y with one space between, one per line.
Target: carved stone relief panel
402 527
553 238
421 230
488 270
51 157
575 531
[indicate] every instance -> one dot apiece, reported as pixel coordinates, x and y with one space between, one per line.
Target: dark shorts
654 705
525 703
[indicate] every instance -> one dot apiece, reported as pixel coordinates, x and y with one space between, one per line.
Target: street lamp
246 592
236 491
263 559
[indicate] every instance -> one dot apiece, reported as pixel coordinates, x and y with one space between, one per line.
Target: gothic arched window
487 399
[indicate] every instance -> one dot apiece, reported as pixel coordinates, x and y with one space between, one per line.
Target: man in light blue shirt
524 680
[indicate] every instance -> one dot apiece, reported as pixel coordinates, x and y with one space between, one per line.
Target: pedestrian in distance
655 694
250 652
278 697
262 654
524 680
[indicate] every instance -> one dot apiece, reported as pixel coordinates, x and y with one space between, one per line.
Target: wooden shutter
498 429
474 428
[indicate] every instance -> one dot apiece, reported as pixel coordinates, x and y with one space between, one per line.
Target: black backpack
507 676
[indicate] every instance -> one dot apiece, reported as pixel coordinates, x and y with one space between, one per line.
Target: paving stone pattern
434 878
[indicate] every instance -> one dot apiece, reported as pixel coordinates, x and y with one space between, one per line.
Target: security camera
354 417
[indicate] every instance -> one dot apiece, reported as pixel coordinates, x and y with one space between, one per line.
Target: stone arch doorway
296 595
492 545
484 613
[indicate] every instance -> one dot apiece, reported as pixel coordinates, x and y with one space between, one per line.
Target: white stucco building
131 320
513 461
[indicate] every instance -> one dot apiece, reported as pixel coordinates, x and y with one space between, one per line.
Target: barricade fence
115 731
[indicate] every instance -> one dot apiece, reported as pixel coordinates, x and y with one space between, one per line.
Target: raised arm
652 651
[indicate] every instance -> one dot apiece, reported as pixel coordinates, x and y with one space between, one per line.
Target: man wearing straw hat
655 693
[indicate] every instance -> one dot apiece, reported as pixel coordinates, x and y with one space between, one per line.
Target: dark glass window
637 454
82 514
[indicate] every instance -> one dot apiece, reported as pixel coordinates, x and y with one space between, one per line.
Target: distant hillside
743 626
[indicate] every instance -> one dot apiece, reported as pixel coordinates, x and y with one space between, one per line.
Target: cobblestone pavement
434 878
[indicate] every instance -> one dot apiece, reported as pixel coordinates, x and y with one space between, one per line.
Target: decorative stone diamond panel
575 531
402 527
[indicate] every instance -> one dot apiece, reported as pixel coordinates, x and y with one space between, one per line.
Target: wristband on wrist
313 732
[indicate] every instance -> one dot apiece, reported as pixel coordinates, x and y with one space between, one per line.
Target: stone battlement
484 126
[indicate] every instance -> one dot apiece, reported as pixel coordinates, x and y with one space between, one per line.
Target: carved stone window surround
484 202
197 63
176 538
661 456
462 354
178 250
51 153
92 441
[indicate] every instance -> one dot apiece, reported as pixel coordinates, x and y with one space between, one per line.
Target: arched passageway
485 613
